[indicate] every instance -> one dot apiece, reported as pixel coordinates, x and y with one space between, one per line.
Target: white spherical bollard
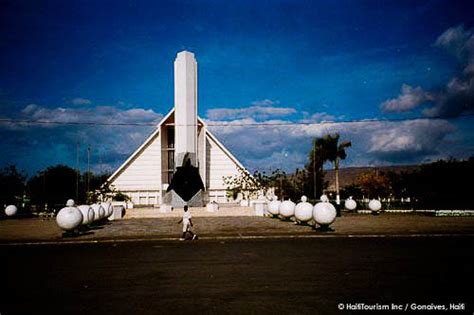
70 203
304 210
375 205
69 218
99 212
274 207
350 204
87 214
324 198
287 209
108 208
11 210
324 213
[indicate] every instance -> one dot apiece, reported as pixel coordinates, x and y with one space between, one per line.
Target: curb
224 238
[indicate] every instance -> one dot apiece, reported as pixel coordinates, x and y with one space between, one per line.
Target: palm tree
317 156
335 152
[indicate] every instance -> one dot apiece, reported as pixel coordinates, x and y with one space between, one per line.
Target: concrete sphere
11 210
108 208
304 210
70 203
304 198
287 208
350 204
99 212
324 213
375 205
324 198
69 218
274 207
111 210
87 214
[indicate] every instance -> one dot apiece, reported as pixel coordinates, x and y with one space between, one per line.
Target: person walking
187 224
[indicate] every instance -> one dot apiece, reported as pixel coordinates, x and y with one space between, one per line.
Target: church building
180 143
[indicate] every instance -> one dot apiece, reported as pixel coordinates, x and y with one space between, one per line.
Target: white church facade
147 174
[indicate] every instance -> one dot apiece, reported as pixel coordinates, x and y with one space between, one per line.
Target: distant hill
348 175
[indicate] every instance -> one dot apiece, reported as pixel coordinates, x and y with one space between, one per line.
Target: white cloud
98 114
50 144
263 109
457 41
268 144
408 99
81 101
318 117
413 139
373 142
265 102
458 95
29 109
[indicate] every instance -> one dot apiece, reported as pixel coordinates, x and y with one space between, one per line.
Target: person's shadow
74 234
324 228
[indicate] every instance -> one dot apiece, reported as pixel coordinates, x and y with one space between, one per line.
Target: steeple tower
185 99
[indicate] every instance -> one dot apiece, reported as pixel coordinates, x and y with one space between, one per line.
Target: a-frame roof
140 148
155 133
221 146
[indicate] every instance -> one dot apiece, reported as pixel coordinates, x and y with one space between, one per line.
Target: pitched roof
140 148
155 133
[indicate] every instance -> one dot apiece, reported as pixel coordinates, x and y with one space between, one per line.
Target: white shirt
186 217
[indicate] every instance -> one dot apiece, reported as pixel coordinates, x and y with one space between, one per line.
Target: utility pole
77 172
281 188
293 180
314 170
88 168
100 163
45 196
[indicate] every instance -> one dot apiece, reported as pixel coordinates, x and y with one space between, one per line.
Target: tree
53 186
106 192
12 185
353 190
335 152
277 179
297 184
56 184
259 182
243 183
445 184
98 186
374 184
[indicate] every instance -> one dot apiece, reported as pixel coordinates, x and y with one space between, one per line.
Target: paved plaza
211 227
240 265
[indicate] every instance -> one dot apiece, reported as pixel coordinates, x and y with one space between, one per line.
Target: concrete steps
235 211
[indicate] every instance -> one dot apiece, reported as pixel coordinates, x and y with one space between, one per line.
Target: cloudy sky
272 75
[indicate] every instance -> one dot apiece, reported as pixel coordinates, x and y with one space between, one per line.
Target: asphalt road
293 276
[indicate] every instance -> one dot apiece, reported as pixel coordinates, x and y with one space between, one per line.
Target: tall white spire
185 103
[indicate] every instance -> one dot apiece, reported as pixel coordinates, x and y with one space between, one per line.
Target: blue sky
264 61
